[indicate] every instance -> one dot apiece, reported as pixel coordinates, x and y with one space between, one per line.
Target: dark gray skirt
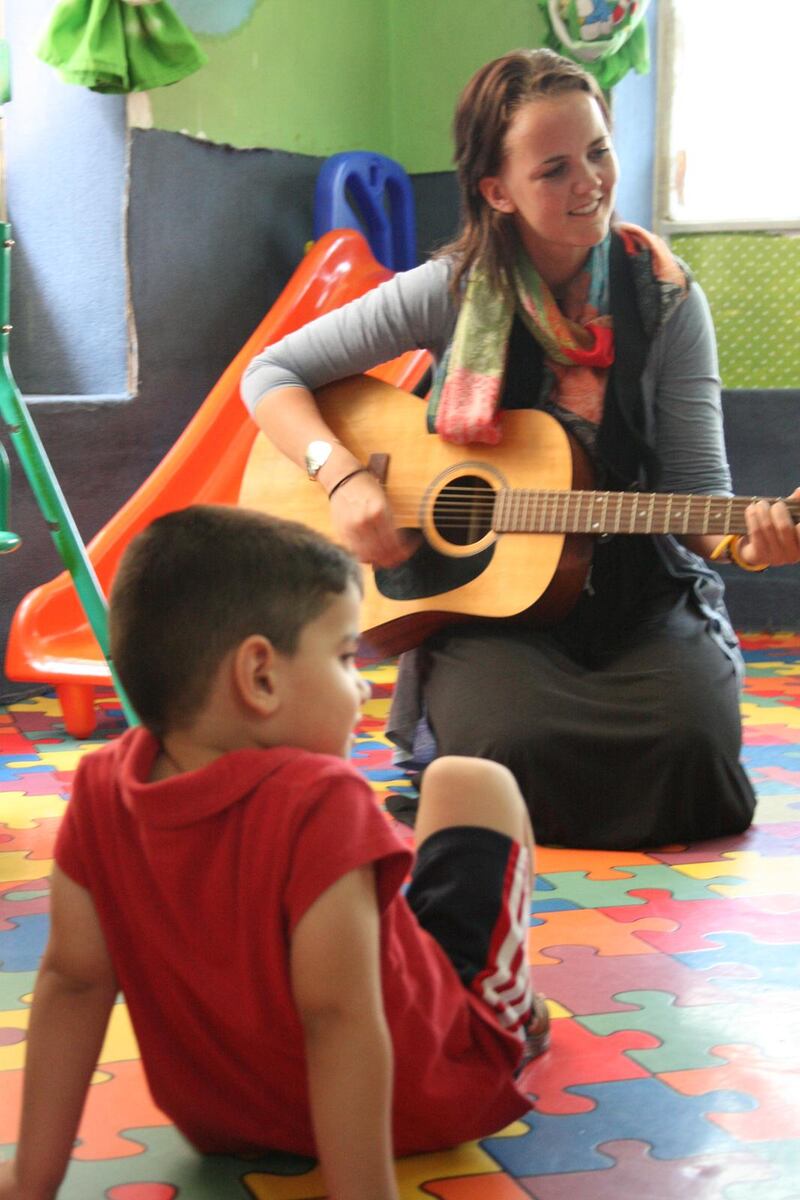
621 724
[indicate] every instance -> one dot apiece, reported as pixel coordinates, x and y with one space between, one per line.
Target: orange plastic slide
50 639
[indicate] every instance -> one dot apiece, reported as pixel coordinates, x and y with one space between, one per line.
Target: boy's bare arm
335 964
75 991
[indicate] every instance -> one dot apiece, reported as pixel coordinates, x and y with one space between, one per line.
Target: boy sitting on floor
228 870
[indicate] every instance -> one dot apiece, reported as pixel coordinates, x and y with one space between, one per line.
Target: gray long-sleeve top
415 310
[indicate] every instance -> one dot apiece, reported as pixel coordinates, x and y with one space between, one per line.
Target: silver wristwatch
317 454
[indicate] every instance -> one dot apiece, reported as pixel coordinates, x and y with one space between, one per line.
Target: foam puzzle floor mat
672 976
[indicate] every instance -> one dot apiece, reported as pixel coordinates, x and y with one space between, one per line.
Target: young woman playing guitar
621 719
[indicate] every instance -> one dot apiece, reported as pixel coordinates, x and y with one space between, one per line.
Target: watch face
316 456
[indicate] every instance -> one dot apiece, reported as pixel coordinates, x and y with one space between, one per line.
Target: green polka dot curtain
752 281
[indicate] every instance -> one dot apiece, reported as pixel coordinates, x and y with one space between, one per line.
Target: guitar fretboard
518 510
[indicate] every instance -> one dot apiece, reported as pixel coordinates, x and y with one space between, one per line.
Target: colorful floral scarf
577 337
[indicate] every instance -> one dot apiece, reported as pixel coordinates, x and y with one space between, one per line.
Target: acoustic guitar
475 508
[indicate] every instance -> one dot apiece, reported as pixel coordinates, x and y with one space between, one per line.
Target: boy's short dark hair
196 583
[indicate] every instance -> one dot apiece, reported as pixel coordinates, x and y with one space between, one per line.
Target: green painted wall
299 76
752 281
320 76
436 45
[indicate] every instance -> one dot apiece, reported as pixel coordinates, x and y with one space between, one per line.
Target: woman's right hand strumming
360 512
364 523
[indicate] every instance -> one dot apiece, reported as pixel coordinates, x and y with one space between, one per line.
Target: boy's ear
495 194
255 675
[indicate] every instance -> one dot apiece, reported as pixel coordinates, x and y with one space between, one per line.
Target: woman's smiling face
558 180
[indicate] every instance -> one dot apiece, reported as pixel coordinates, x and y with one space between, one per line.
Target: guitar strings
456 505
635 498
655 502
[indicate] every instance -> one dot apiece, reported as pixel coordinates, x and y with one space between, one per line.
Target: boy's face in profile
322 691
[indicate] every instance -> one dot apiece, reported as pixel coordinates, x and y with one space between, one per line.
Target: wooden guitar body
463 568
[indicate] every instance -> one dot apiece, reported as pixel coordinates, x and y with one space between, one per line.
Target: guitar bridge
379 466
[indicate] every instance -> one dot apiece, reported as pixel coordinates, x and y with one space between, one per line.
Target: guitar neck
519 510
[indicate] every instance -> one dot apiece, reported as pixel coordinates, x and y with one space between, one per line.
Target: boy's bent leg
472 791
471 887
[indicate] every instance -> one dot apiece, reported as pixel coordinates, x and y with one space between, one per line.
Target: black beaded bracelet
344 479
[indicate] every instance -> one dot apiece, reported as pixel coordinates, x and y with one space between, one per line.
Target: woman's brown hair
483 114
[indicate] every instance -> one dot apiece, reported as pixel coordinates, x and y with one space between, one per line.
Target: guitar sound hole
462 512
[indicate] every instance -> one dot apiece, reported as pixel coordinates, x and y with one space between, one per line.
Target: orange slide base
50 640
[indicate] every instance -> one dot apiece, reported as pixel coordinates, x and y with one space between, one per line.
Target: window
727 102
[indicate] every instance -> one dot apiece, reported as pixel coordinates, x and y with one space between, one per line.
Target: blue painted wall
634 110
65 168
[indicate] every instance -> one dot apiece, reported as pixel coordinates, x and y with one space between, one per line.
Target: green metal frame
8 541
45 486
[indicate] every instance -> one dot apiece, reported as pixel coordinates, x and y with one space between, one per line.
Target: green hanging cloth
607 37
114 46
5 72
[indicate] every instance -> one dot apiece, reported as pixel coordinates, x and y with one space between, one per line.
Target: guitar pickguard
428 573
